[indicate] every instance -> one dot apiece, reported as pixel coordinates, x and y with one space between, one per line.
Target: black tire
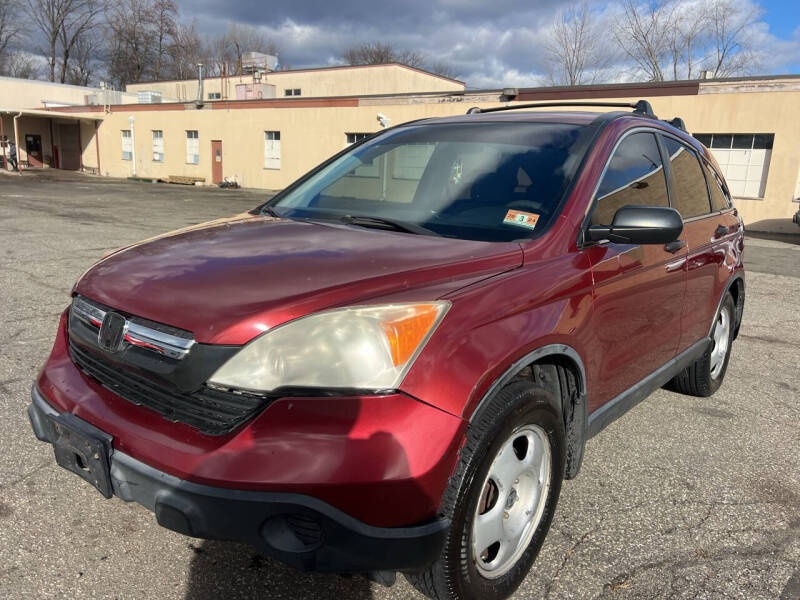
697 379
454 575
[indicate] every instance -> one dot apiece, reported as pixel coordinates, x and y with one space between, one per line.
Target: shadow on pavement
229 571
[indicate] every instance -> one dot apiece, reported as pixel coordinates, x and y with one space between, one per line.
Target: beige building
750 125
363 80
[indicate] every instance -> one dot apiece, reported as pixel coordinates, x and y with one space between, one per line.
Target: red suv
393 364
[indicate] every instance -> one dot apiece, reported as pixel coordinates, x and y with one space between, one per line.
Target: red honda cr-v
393 364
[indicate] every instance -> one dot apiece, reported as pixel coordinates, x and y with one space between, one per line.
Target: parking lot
682 498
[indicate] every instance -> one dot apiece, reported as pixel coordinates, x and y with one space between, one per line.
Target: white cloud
488 45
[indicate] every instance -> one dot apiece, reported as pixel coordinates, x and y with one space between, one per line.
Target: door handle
720 231
673 247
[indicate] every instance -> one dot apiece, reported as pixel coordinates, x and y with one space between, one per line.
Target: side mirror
640 225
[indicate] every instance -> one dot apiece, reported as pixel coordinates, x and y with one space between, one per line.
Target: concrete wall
315 83
26 93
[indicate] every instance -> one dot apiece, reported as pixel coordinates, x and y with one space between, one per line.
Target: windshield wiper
268 210
384 223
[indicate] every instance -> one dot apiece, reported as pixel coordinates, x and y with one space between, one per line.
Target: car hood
231 279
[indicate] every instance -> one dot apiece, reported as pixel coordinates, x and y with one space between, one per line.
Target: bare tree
225 52
165 15
21 65
381 53
687 33
81 66
574 52
131 41
61 22
9 29
728 24
75 29
643 33
185 51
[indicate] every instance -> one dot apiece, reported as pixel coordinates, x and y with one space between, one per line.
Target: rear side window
688 193
634 176
719 197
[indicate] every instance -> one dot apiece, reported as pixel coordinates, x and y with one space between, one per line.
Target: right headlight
367 347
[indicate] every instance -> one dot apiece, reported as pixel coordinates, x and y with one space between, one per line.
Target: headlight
370 347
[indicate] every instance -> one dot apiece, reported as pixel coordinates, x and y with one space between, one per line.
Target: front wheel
502 497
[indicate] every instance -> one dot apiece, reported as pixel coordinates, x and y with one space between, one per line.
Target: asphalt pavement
681 498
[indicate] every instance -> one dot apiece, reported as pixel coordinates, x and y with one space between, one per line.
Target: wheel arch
734 287
559 368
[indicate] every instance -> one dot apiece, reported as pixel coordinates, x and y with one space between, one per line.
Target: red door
33 148
639 290
710 228
216 161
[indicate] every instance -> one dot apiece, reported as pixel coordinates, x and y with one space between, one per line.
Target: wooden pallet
185 179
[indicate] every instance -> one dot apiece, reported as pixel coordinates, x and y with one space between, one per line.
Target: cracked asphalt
681 498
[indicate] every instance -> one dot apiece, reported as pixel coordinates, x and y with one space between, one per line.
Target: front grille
214 412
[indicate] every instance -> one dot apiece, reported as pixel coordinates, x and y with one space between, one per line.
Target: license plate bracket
83 449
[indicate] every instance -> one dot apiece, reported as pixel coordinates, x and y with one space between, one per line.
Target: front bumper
300 530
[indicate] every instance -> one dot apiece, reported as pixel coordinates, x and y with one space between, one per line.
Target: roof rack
642 107
678 123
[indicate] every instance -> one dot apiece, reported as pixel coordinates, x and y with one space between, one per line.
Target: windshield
478 181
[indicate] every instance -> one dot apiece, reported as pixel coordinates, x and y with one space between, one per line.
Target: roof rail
678 123
642 107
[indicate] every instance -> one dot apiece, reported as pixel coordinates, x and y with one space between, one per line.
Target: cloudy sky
488 43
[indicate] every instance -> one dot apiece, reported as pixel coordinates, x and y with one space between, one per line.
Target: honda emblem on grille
112 332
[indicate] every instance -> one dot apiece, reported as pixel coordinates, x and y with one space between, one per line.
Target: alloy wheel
512 501
721 338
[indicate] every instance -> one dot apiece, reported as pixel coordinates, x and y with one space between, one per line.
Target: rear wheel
704 376
502 497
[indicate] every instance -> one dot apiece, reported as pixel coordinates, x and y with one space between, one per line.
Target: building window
127 145
214 95
352 138
743 159
158 145
272 149
291 92
192 147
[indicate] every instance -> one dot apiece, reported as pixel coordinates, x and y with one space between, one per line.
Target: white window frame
745 169
352 138
272 150
158 145
192 147
127 145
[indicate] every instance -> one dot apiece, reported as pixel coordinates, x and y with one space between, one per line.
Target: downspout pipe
16 142
133 147
199 101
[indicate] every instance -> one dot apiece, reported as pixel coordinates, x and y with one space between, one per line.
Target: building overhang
50 114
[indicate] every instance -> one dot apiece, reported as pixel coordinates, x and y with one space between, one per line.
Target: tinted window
719 197
689 195
634 176
481 181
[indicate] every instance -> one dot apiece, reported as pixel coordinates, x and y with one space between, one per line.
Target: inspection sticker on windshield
521 219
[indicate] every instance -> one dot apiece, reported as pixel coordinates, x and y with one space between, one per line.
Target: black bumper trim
300 530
